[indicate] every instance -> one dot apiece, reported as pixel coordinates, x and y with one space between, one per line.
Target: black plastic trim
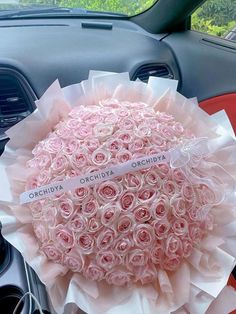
222 43
97 25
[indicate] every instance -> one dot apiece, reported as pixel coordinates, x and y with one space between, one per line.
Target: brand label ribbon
93 177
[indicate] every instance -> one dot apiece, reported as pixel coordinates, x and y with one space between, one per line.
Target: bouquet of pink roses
121 196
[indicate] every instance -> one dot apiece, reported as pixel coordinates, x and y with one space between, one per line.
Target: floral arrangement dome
121 190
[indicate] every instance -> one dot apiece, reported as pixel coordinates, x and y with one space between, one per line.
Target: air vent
14 103
157 70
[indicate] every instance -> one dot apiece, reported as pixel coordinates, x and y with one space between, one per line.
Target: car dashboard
34 54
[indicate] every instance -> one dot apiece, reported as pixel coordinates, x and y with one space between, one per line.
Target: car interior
37 48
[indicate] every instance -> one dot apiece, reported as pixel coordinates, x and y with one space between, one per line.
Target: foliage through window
127 7
216 17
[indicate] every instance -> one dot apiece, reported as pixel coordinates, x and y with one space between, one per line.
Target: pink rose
38 149
37 209
136 146
127 124
157 254
178 207
63 237
118 277
111 119
33 163
206 195
143 235
50 214
127 201
83 131
63 132
160 208
103 130
187 248
146 195
178 176
71 146
161 228
152 150
94 225
173 245
52 253
188 192
195 232
66 208
44 177
90 207
44 160
123 156
133 181
147 111
74 113
40 231
152 178
59 164
123 112
142 213
81 193
79 159
146 274
158 140
193 213
100 157
75 262
166 131
105 239
143 130
123 245
163 170
124 224
71 173
178 128
92 144
115 145
94 272
94 118
125 136
171 263
32 183
108 191
163 117
85 242
137 257
180 226
109 214
153 123
169 187
54 145
137 115
107 259
72 123
78 223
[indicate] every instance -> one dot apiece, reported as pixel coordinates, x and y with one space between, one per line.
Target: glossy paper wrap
201 277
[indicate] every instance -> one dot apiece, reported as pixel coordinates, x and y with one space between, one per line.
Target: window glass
126 7
216 17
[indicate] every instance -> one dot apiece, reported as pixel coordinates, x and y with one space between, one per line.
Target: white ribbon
94 177
186 154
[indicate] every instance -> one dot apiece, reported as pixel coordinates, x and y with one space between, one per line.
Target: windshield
126 7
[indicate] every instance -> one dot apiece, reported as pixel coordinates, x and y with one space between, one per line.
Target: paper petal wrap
197 283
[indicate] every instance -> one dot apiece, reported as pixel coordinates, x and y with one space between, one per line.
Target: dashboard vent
14 103
157 70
